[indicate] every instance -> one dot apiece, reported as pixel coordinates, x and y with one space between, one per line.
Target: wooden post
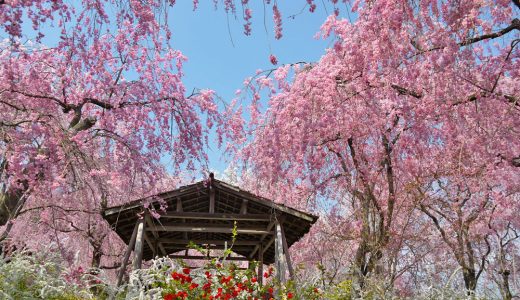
156 247
179 205
211 199
156 243
126 257
279 257
149 241
139 245
260 265
211 193
179 210
243 207
287 255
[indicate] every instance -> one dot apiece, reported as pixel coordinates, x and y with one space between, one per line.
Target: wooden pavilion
204 213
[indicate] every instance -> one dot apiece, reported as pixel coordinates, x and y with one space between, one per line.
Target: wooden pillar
260 264
287 255
179 205
211 199
126 257
184 234
243 207
156 245
211 194
139 245
150 244
279 256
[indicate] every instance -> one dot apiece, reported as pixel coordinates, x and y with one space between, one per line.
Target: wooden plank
235 248
161 247
180 211
211 199
200 257
150 224
269 228
179 205
209 228
217 216
150 244
138 250
260 265
215 184
243 207
271 241
120 209
139 202
126 257
269 203
185 242
287 254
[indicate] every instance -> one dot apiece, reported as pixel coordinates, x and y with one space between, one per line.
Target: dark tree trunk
505 289
96 258
10 202
470 280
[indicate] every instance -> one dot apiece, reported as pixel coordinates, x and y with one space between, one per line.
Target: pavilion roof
204 213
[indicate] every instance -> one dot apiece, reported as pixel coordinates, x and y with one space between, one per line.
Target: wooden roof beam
217 216
243 194
210 228
200 257
185 242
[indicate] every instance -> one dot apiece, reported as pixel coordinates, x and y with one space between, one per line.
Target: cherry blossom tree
413 96
407 126
85 122
92 98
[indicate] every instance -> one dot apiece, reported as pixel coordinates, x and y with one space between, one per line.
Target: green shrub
342 291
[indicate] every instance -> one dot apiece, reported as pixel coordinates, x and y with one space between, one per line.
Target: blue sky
220 56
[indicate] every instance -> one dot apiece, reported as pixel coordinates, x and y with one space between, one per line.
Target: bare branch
403 91
515 24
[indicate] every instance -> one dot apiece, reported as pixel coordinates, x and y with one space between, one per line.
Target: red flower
168 297
270 290
289 295
193 286
175 276
186 271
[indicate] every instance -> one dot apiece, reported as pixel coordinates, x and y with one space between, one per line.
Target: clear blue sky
220 56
